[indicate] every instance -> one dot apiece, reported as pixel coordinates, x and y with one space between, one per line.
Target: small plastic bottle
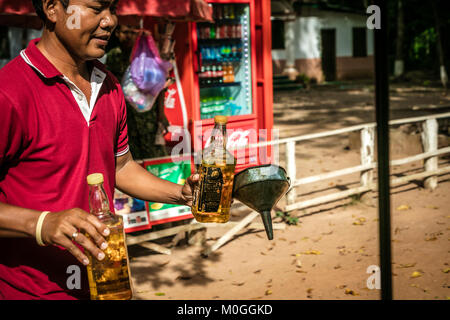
109 279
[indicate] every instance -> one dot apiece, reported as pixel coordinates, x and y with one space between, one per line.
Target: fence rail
366 168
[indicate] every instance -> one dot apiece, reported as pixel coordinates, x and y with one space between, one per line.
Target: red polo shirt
47 148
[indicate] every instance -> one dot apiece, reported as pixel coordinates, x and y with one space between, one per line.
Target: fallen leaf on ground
314 252
238 284
446 270
342 286
301 271
359 221
164 263
407 265
403 207
160 294
416 274
268 292
257 271
298 263
352 292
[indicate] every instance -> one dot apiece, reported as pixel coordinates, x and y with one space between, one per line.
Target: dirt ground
329 252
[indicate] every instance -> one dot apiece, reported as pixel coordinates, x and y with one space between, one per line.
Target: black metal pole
382 117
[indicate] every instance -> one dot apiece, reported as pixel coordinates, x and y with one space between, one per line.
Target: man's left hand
188 188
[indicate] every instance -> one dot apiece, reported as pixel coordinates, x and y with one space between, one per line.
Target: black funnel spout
267 221
260 188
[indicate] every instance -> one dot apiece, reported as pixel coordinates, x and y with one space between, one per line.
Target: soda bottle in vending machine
212 31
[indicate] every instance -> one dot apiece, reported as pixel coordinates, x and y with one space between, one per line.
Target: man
63 117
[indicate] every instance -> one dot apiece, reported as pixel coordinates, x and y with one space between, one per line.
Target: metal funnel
260 188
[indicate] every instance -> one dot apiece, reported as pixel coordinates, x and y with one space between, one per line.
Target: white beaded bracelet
39 228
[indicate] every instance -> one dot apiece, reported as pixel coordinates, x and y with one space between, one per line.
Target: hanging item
148 70
138 99
146 76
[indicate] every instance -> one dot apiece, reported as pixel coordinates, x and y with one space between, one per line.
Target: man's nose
109 21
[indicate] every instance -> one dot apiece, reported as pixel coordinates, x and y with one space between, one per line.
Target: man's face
127 35
85 27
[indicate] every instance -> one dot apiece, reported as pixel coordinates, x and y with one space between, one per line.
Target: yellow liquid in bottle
212 197
109 279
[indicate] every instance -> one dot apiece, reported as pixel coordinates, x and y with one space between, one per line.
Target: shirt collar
34 57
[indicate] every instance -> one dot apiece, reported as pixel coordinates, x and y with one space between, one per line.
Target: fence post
291 171
430 143
367 154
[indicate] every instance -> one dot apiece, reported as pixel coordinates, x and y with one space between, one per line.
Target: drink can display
212 32
231 12
223 31
226 12
239 31
229 31
219 12
205 32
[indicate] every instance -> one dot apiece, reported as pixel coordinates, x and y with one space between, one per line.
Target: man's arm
134 180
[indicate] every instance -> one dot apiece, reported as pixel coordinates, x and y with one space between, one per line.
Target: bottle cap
95 178
221 119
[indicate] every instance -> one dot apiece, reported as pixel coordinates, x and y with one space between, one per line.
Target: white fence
367 166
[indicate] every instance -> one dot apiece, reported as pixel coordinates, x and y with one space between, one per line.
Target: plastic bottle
109 279
212 31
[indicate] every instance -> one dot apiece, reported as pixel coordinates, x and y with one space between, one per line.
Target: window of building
278 34
359 42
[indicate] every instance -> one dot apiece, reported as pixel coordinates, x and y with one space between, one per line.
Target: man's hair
40 11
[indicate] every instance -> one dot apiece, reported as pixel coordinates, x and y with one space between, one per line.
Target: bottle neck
219 136
98 201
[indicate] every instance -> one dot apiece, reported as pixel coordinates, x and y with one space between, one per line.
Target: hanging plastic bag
138 99
148 70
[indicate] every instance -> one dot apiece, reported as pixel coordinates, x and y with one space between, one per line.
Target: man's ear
51 9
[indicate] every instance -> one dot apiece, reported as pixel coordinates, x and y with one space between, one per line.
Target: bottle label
210 189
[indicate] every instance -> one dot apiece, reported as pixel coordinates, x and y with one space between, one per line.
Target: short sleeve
11 133
122 137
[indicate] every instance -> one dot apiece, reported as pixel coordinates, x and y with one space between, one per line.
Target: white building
321 42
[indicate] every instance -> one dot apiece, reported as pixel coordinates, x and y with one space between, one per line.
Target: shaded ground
328 253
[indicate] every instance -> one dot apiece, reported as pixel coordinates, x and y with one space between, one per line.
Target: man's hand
188 189
59 227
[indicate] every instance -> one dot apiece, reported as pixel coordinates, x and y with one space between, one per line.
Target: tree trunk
399 67
443 73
